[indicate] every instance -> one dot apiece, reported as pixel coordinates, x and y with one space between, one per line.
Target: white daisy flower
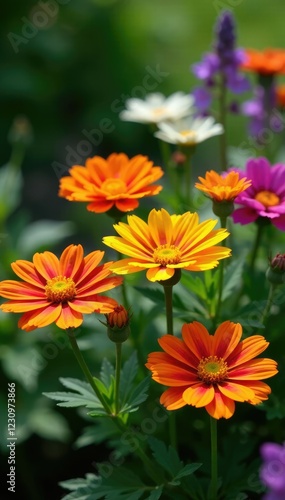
157 108
189 131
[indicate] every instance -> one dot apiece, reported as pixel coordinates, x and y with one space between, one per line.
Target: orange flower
167 242
267 62
212 371
222 187
59 290
118 181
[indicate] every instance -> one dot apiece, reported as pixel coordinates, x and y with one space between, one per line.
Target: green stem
269 303
221 276
222 120
214 459
256 247
121 425
168 307
117 375
169 325
85 370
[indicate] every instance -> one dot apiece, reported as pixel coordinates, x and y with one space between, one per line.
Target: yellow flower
222 187
166 243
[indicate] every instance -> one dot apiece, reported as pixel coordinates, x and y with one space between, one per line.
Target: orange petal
26 271
178 350
18 290
47 265
197 339
159 273
69 318
256 369
100 206
221 406
247 349
199 394
71 260
37 319
172 398
226 338
126 204
237 392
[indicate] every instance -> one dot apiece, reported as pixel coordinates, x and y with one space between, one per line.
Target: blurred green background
68 66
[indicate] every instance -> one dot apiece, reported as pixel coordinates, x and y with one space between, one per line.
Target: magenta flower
265 197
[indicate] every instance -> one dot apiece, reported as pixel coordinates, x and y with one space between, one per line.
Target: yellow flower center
114 186
158 111
60 289
212 370
267 198
190 136
167 254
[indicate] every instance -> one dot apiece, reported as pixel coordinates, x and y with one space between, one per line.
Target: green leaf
194 284
128 374
84 395
167 458
42 233
233 275
106 372
137 396
122 484
187 470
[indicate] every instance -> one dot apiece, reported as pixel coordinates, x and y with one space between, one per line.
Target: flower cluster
220 65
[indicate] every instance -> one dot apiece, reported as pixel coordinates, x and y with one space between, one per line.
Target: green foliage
169 460
122 484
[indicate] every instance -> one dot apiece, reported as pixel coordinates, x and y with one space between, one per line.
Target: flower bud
276 271
118 324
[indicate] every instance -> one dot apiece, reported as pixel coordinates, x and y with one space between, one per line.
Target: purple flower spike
221 65
225 31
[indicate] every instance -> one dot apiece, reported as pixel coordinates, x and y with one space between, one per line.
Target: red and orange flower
212 371
222 187
60 290
266 62
116 181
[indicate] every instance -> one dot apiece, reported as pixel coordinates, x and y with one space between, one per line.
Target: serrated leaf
106 372
83 397
187 470
167 458
194 284
128 374
137 396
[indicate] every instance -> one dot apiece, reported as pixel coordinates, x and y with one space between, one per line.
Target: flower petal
199 394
